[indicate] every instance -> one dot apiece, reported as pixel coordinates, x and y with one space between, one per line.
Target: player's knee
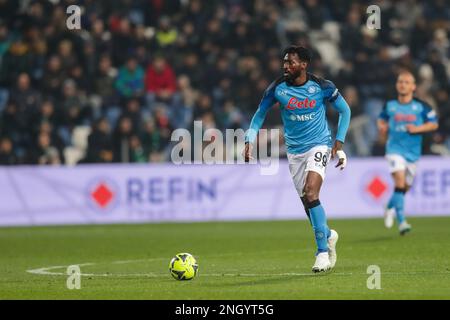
400 183
311 194
400 186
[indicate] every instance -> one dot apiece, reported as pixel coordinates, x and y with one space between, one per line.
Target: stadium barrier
125 193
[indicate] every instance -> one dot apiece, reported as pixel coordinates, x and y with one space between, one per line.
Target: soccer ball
183 266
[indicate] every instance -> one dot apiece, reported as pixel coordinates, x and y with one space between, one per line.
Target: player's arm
383 126
430 122
339 103
426 127
266 103
382 123
332 95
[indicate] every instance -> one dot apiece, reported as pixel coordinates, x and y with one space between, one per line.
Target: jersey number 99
320 157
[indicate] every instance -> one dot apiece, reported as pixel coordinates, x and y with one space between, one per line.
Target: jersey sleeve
267 101
428 114
384 114
344 117
330 92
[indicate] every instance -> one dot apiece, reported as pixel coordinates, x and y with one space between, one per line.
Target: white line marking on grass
45 271
48 270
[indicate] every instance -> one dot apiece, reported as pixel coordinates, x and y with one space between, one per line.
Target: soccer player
404 120
301 97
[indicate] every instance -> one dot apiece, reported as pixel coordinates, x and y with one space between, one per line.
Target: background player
302 98
405 120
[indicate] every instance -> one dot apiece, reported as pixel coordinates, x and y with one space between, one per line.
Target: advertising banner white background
95 194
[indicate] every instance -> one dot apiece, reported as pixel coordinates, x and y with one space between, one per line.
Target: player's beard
290 77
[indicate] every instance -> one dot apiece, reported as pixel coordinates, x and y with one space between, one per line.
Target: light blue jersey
398 115
303 111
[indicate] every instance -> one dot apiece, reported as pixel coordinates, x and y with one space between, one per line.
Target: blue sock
391 203
399 204
319 223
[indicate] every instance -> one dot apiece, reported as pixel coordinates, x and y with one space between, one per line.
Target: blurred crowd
115 90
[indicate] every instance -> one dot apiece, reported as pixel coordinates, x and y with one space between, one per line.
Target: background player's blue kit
398 115
403 149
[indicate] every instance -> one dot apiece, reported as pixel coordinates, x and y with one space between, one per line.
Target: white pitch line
46 271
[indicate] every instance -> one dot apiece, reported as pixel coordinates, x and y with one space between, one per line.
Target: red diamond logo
102 195
377 188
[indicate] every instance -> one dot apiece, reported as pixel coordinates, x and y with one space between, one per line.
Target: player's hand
412 128
383 127
337 151
248 152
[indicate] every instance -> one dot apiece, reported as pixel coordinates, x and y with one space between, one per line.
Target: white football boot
332 241
389 215
404 227
322 263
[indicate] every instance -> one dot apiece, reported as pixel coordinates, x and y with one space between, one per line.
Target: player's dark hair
302 53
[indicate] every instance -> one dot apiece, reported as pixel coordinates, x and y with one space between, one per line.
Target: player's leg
318 220
316 162
398 197
305 206
410 173
397 167
312 165
297 167
399 200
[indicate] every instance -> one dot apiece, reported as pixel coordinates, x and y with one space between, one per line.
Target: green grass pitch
237 260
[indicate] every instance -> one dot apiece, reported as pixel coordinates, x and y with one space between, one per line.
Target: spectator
166 34
47 113
18 59
66 54
26 99
154 141
122 41
5 40
160 82
184 112
100 146
72 104
121 140
104 80
137 153
232 117
223 55
130 80
134 113
7 156
12 124
44 152
53 77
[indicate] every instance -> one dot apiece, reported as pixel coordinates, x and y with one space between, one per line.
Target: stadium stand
114 90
